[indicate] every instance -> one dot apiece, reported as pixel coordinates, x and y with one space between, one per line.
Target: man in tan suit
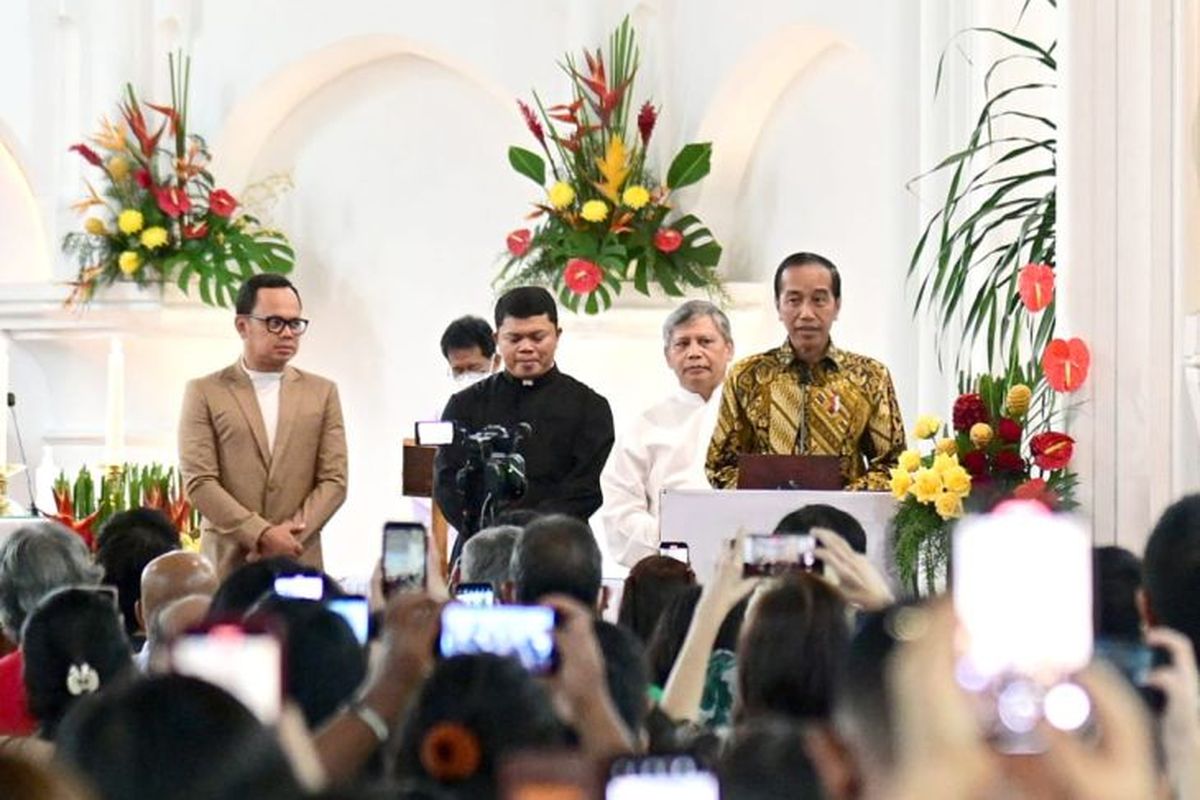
262 447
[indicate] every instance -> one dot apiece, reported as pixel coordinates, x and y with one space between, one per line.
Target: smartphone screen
526 632
300 587
356 612
475 594
778 553
675 550
403 555
660 778
435 433
248 665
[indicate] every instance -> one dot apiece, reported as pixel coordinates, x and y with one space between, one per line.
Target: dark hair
557 554
517 517
174 738
625 669
325 663
862 708
650 585
247 294
791 649
73 632
524 302
247 584
819 515
765 759
467 332
1171 568
492 697
804 260
1118 575
128 542
667 639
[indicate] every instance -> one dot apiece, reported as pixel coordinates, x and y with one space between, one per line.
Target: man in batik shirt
808 397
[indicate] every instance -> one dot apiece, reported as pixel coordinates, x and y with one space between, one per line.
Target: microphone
12 410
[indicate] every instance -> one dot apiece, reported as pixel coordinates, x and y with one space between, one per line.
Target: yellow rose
943 463
594 211
901 482
1017 401
130 221
948 505
948 446
95 226
927 426
927 485
957 480
129 262
635 197
909 460
981 434
154 237
118 167
561 195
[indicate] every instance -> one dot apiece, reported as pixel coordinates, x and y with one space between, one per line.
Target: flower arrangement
605 212
158 215
81 508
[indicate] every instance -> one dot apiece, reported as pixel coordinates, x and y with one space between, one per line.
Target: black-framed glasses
297 325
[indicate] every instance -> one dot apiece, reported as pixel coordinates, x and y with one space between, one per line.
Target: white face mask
464 379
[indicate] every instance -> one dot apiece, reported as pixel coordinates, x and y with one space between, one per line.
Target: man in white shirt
665 447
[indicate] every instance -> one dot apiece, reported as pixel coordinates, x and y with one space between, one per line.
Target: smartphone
660 777
676 550
300 587
245 659
546 775
1135 661
778 553
475 594
356 612
403 556
435 433
525 632
1023 595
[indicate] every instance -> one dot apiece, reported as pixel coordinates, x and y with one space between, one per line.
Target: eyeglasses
276 325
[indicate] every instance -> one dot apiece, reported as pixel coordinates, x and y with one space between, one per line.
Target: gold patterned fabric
773 403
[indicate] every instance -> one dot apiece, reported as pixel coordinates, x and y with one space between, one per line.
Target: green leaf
529 164
691 164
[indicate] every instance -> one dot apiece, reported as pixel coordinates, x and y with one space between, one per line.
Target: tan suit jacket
237 484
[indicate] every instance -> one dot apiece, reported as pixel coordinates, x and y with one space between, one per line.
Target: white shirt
266 389
663 449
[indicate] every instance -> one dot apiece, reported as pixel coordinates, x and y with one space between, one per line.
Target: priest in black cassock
571 426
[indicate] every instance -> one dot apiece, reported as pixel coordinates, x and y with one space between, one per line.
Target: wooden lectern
417 481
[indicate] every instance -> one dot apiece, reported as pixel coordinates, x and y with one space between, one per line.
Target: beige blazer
241 488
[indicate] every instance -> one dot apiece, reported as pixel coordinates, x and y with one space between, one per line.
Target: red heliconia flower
518 242
142 176
532 123
1035 489
667 240
137 123
89 155
645 121
1066 364
1035 282
1008 461
975 462
221 203
170 114
1052 450
1009 431
198 231
172 201
968 410
566 112
582 276
607 99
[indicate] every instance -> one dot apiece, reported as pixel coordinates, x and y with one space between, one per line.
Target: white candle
114 428
4 384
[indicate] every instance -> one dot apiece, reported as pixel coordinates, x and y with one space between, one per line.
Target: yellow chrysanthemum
153 238
129 262
901 482
927 426
561 195
909 460
130 221
957 480
949 505
943 463
95 226
948 446
118 167
981 434
594 211
1016 403
635 197
927 485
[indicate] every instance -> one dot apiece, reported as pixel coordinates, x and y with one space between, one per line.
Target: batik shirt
774 403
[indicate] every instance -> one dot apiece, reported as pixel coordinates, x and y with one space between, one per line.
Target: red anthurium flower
142 176
172 201
221 203
1052 450
1036 489
645 121
198 231
1035 282
968 410
1066 364
1009 431
88 154
668 240
582 276
518 242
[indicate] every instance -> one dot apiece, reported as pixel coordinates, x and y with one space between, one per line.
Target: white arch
24 252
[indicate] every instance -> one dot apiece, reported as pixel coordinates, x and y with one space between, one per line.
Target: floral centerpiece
84 508
606 216
158 215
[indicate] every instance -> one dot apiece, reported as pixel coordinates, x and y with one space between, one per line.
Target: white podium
705 517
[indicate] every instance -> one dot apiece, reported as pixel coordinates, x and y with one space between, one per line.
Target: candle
114 428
